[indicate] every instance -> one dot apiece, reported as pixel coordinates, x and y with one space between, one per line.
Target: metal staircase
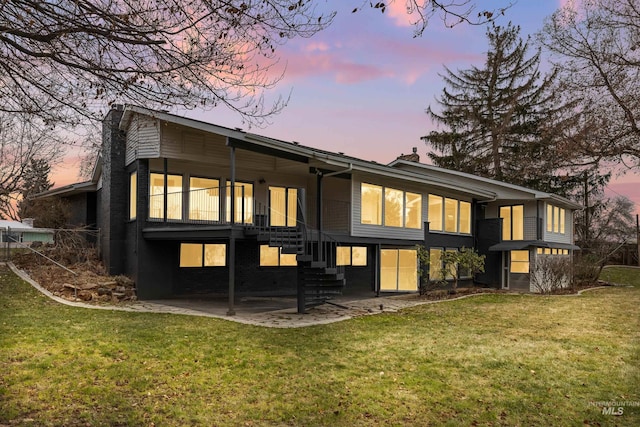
319 278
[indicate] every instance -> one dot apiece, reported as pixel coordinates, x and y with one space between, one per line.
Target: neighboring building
23 233
185 206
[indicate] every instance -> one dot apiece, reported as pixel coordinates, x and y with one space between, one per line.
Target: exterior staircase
319 279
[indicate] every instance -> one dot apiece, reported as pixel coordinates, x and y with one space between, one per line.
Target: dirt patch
90 283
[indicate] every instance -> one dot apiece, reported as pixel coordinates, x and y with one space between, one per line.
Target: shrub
551 273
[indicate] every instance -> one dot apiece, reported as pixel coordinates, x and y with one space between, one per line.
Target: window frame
511 222
203 254
441 214
133 195
280 258
189 199
164 196
249 217
349 262
384 202
515 262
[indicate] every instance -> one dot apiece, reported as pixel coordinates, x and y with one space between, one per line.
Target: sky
362 85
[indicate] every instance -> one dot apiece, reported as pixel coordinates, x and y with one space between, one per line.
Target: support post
232 239
165 199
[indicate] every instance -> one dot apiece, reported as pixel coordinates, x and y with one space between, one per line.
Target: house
185 206
23 233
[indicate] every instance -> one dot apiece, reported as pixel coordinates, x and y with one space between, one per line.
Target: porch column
232 238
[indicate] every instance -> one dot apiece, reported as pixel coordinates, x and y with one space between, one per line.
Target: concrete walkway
262 311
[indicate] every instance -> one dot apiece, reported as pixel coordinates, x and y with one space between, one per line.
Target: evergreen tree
35 179
501 121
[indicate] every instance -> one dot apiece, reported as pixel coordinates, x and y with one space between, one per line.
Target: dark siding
113 206
519 282
488 234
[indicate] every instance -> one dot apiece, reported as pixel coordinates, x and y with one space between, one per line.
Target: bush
551 273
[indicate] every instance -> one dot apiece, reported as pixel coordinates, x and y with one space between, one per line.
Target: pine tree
35 180
501 121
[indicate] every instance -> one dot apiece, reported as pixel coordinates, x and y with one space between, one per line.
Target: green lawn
487 360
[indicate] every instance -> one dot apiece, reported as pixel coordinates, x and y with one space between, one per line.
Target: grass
488 360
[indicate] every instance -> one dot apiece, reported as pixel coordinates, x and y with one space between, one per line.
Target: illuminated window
539 251
215 255
435 213
133 188
512 222
556 219
413 211
351 255
435 264
204 199
450 215
243 203
157 196
519 262
273 257
465 217
393 207
283 204
371 204
190 255
398 270
199 255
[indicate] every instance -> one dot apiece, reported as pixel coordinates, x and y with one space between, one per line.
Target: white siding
143 139
567 236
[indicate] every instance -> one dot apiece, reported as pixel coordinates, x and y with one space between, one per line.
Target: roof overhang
69 190
516 245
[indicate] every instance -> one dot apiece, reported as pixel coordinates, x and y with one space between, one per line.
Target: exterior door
283 206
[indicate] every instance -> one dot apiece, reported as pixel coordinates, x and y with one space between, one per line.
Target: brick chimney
413 157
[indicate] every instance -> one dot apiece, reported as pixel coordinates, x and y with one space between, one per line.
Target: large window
398 270
133 189
283 204
556 218
519 262
351 255
371 204
512 222
204 199
272 256
203 255
157 196
243 203
401 209
449 215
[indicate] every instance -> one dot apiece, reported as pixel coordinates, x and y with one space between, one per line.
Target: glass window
549 218
359 256
174 196
288 259
269 256
407 270
539 251
243 203
393 207
435 264
562 220
215 255
435 213
190 255
413 211
505 214
204 199
517 222
398 270
348 255
283 206
371 204
556 219
450 215
273 257
512 222
343 255
547 251
519 262
133 188
465 217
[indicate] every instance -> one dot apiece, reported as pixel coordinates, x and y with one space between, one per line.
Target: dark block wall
488 234
113 200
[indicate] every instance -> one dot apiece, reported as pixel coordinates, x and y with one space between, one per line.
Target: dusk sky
362 85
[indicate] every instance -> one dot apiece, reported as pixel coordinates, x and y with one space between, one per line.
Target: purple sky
362 85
